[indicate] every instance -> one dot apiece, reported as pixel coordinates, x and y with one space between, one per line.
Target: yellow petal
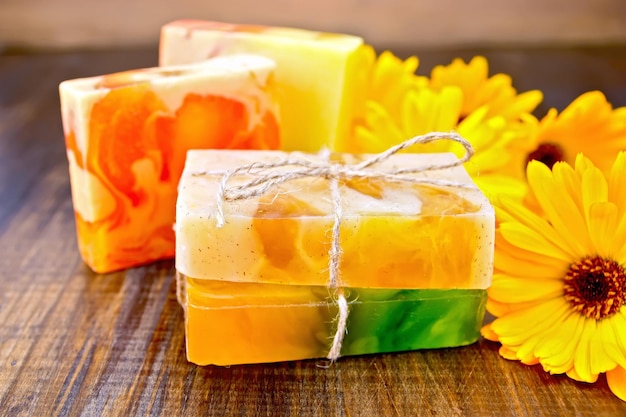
568 178
528 239
560 208
488 334
504 250
594 188
533 349
599 360
509 264
617 182
618 324
602 221
525 103
497 308
526 217
557 352
515 289
517 326
576 377
616 379
618 248
507 353
609 344
582 358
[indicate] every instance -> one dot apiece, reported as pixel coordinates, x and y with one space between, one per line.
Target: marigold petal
576 377
507 353
528 350
602 219
559 207
488 334
496 308
532 241
570 181
525 102
619 237
557 351
381 132
517 326
426 110
617 188
599 360
514 263
618 322
526 217
582 163
616 379
594 186
609 346
583 357
513 289
505 250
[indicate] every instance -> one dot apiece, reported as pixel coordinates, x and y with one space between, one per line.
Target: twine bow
269 174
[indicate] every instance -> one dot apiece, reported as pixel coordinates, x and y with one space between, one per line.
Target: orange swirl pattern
134 157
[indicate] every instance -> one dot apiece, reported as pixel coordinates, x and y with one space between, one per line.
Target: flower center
595 287
548 153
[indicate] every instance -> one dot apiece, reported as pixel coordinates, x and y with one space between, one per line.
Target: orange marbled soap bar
405 235
127 135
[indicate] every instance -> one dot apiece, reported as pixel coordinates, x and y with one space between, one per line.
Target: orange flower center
548 153
596 287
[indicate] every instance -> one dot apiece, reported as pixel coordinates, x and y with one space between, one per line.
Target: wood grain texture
73 343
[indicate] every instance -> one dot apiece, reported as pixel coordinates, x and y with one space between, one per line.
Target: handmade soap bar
231 323
317 73
393 234
127 135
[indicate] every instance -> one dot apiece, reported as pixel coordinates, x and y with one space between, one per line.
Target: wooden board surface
76 343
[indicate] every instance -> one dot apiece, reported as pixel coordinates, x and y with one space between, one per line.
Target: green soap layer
392 320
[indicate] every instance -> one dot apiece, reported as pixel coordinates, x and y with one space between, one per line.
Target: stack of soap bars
305 268
415 259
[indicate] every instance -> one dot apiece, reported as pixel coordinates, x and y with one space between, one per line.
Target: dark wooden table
76 343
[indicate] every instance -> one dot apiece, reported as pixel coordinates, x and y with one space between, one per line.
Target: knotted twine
266 177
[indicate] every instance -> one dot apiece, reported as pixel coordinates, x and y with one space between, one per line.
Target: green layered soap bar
235 323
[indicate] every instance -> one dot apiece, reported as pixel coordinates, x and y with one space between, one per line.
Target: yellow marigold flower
423 110
386 79
588 125
487 111
559 284
479 89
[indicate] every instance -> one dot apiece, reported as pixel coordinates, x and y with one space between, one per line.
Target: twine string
266 175
334 279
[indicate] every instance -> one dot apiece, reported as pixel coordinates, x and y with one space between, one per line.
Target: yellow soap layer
392 235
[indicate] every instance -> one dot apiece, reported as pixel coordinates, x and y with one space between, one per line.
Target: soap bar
127 135
231 323
403 235
317 73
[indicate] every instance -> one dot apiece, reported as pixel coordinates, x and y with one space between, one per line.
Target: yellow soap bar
392 234
316 73
127 135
